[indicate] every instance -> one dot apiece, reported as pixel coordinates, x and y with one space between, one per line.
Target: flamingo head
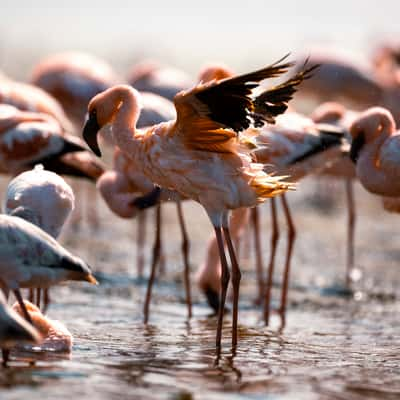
369 126
214 72
328 112
103 109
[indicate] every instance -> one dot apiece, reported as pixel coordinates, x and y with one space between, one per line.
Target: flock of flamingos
226 141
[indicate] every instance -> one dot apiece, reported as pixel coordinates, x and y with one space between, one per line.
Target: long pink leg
6 355
236 277
237 242
162 259
18 296
5 290
246 243
77 213
351 220
38 296
92 208
271 266
185 252
225 276
257 247
156 258
140 242
290 242
46 299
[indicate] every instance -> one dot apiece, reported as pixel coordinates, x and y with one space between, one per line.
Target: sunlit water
332 348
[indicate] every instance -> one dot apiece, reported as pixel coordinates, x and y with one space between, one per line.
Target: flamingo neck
124 125
369 170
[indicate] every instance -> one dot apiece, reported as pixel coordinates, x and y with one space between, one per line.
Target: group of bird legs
264 283
156 258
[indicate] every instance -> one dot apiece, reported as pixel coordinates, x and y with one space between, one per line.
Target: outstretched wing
209 114
274 101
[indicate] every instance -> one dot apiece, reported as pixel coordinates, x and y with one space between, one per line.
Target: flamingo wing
209 114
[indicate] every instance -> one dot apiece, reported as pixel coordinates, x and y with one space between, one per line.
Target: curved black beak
90 131
356 146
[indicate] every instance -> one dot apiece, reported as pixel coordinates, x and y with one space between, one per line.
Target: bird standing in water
199 154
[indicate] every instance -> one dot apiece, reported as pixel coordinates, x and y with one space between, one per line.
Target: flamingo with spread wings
199 154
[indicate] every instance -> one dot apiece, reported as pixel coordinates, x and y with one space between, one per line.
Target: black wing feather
274 101
229 101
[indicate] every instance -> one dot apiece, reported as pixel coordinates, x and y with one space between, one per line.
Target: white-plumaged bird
43 198
31 258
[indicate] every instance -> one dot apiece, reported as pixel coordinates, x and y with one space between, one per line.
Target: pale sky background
242 34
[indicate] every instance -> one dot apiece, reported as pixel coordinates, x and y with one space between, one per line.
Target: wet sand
333 347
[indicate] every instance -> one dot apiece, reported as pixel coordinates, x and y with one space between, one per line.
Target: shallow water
333 347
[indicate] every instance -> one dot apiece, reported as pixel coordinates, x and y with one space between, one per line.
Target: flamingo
353 84
30 258
73 79
14 330
148 76
198 154
375 149
343 80
343 168
116 187
128 192
335 113
27 97
44 199
28 138
386 62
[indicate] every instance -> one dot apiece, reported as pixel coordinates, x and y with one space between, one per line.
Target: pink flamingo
335 113
73 79
375 149
198 154
127 192
148 76
386 62
349 83
155 109
342 80
27 97
28 138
